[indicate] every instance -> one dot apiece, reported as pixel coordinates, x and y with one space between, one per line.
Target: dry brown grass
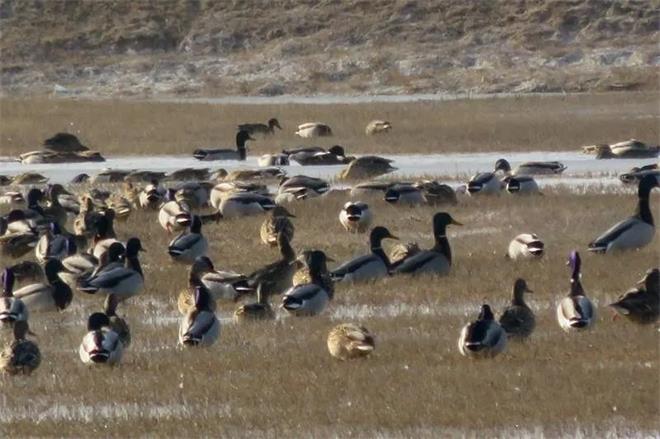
502 124
277 379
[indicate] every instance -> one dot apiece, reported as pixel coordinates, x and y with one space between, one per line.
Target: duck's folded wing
601 243
415 262
351 266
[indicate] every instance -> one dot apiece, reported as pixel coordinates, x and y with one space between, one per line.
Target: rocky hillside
197 47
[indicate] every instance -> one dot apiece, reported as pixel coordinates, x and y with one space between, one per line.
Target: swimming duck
637 173
634 232
368 267
348 341
278 159
117 324
482 338
152 195
245 203
518 319
367 166
260 128
186 247
200 326
123 281
313 129
311 298
64 142
185 174
174 216
488 183
101 344
641 304
406 195
12 309
54 245
22 356
525 246
356 217
436 260
240 153
437 194
333 156
29 178
575 312
378 127
278 222
53 295
259 310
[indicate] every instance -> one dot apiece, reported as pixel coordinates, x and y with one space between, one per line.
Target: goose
405 195
174 216
355 217
240 153
378 127
488 183
368 166
309 299
259 310
313 129
525 246
200 326
29 178
101 344
278 222
333 156
28 271
437 194
124 281
518 319
245 203
278 159
54 245
368 267
436 260
152 195
185 174
117 324
12 309
347 341
64 142
260 128
575 312
21 356
641 304
637 173
276 277
53 295
634 232
482 338
189 245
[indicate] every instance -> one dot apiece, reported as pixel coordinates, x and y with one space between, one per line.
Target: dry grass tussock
503 124
277 379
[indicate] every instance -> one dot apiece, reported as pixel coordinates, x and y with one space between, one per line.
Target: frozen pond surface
582 169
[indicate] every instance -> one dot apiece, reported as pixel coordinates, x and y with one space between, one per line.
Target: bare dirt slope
357 46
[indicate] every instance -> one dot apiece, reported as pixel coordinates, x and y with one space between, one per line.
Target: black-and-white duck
200 326
53 295
482 338
311 298
356 217
367 267
188 246
488 183
525 246
101 344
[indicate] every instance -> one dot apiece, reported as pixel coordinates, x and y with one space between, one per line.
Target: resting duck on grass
575 312
482 338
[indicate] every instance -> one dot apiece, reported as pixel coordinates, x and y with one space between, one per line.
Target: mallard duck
53 295
348 341
255 174
12 309
240 153
28 271
637 173
280 159
145 176
22 356
152 195
634 232
123 281
333 156
278 222
174 216
17 245
83 264
407 195
311 298
64 142
436 260
260 128
105 234
482 338
245 203
54 245
525 246
355 216
121 206
101 344
13 199
368 267
110 176
518 319
223 190
367 166
17 221
4 180
200 326
437 194
197 174
303 272
488 183
189 245
81 178
313 129
630 149
259 310
641 304
539 168
29 178
311 186
193 194
55 209
377 127
575 312
520 185
402 251
277 276
117 324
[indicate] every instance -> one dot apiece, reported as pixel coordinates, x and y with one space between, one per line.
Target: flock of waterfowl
51 262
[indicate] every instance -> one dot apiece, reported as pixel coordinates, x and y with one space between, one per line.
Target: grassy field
557 123
277 379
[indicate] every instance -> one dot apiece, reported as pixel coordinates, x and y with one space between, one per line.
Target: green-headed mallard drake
240 153
174 216
482 338
200 326
525 246
309 130
518 319
259 310
333 156
488 183
188 246
348 341
12 309
377 127
54 245
278 222
436 260
53 295
101 344
117 324
641 304
367 267
310 298
22 356
355 217
260 128
575 312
